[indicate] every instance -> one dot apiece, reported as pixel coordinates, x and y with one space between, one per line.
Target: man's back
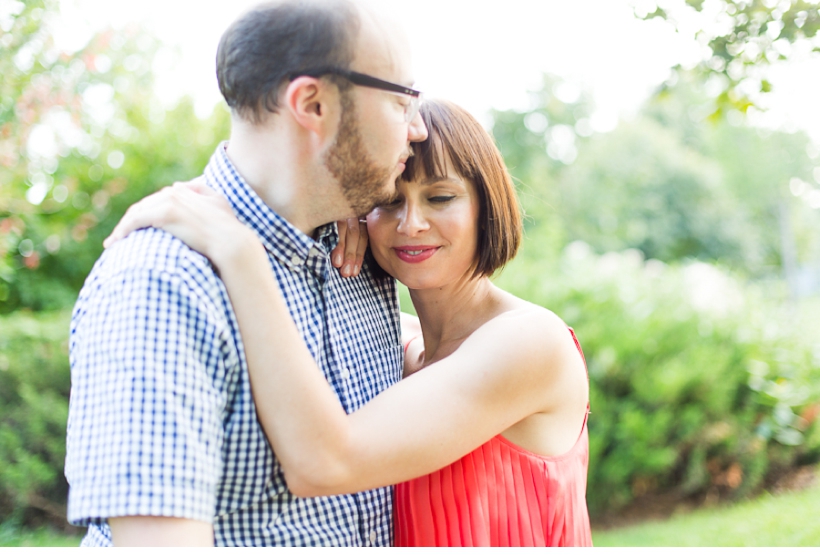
162 420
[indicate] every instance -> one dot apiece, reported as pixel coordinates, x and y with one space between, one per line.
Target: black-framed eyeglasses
364 80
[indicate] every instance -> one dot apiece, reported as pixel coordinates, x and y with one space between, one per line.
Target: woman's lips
415 253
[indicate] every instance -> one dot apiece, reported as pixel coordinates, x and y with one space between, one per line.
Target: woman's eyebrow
439 178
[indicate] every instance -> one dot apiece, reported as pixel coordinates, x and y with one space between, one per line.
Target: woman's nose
412 220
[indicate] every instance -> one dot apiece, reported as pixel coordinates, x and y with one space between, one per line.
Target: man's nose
412 220
417 130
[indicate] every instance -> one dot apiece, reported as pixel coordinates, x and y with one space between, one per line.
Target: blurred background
667 155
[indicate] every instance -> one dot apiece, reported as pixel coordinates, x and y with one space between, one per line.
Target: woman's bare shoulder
540 323
536 347
526 338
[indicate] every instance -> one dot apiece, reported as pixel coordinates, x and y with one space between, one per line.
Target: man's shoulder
155 251
152 259
150 249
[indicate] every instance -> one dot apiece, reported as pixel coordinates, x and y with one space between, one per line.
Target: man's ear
312 103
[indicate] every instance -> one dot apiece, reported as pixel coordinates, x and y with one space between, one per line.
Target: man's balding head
271 43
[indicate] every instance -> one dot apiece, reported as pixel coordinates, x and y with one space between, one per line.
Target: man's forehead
383 49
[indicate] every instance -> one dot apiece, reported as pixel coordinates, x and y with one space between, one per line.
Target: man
163 443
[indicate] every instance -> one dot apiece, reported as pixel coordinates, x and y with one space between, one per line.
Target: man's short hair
455 133
275 41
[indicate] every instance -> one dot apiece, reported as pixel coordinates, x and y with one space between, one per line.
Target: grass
785 520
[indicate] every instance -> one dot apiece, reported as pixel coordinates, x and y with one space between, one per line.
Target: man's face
373 140
364 182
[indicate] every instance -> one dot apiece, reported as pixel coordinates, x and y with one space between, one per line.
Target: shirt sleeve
145 417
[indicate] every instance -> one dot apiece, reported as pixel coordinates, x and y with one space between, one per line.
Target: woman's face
428 236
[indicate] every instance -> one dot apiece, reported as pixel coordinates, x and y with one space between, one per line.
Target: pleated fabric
499 495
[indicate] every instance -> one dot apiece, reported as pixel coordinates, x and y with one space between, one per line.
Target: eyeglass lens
412 108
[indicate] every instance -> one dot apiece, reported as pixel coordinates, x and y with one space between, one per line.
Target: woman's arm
516 365
501 374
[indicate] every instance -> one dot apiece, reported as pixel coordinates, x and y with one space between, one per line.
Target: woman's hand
195 214
348 254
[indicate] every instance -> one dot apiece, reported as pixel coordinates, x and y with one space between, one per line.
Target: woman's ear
312 103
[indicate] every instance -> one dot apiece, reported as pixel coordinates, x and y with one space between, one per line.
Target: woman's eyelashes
398 201
433 197
392 203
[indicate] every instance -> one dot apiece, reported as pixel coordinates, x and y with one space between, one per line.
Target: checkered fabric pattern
161 417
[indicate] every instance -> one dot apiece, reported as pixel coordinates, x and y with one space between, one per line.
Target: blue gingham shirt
161 417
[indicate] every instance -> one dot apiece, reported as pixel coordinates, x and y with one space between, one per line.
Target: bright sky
480 54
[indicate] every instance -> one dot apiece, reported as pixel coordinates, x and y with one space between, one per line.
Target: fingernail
346 269
355 269
337 260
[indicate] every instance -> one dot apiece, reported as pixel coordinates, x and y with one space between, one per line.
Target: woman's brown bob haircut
457 135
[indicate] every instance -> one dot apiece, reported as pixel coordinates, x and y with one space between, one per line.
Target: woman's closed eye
441 199
392 204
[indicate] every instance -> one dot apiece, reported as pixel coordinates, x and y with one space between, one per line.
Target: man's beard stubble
362 180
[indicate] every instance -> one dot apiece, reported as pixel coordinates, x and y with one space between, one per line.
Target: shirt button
344 373
296 260
373 537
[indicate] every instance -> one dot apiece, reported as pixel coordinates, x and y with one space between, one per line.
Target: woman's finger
136 217
197 184
350 267
361 248
155 210
337 255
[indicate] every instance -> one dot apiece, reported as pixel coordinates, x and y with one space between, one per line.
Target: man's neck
276 170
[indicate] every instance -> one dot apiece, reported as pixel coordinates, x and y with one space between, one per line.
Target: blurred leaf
747 38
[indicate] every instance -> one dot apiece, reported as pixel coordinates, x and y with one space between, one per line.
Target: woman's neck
448 315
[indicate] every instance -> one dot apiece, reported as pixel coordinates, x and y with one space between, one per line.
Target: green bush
698 383
34 388
82 137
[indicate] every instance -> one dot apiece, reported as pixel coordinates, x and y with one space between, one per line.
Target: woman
486 434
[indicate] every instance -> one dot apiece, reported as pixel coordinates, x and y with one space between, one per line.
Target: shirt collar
280 238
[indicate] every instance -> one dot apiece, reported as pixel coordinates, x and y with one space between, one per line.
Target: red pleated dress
499 495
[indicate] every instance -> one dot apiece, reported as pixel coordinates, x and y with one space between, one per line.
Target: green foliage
667 182
44 537
82 137
698 383
749 35
34 387
640 187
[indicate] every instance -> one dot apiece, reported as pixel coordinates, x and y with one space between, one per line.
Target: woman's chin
416 282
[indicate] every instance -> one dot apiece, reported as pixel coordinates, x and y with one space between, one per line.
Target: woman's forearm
415 427
297 408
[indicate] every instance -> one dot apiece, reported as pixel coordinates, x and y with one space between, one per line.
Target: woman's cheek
377 235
